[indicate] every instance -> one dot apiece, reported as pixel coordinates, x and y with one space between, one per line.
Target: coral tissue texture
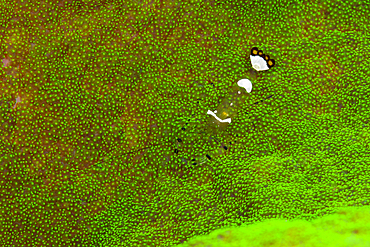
105 138
347 227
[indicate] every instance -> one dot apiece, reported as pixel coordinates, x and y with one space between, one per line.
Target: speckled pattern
95 96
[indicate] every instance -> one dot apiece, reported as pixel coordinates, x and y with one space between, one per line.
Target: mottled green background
106 88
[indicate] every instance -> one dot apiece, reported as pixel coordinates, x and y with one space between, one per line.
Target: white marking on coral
220 120
258 63
247 84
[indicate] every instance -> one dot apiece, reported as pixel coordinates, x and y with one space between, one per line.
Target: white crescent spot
247 84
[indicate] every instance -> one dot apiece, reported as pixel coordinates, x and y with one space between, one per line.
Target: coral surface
105 138
347 227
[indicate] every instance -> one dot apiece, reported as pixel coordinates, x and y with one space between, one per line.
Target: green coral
347 227
91 155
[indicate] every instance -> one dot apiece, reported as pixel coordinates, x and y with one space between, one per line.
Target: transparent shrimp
229 105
